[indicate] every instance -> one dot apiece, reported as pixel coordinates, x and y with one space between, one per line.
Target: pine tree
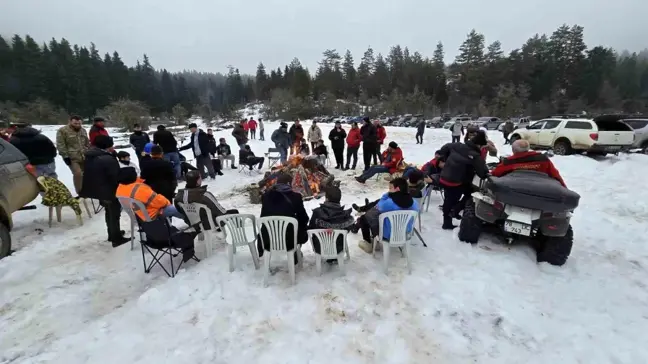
349 71
262 83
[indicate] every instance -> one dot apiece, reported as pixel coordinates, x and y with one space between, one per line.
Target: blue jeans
407 171
372 171
174 158
283 155
172 211
47 170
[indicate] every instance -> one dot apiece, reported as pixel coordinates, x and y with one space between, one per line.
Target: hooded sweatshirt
38 148
390 201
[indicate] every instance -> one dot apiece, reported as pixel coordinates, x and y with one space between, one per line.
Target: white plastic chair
399 237
276 227
235 224
208 236
327 239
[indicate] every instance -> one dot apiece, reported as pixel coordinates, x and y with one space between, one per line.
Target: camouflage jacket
71 143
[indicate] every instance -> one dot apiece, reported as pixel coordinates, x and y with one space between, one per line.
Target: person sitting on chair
124 161
416 184
156 204
331 215
398 198
195 192
247 157
224 152
281 200
321 152
392 157
304 149
185 166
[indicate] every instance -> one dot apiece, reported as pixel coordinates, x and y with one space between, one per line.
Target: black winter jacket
159 175
420 127
100 175
369 133
281 200
212 144
138 140
166 141
38 148
331 216
462 162
337 138
223 149
295 131
240 134
203 143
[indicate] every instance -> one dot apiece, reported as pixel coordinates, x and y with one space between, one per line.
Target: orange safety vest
153 202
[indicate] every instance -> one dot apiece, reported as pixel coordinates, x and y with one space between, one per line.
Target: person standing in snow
353 140
38 148
169 145
314 135
337 136
369 142
261 137
282 141
100 182
72 142
457 130
420 129
98 128
252 125
240 134
296 137
199 144
138 141
381 134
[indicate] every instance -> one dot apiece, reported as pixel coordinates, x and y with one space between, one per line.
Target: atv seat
534 190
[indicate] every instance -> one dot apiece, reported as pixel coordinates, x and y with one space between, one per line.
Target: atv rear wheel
471 227
556 249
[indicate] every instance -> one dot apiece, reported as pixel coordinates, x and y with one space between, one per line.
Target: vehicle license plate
517 228
613 148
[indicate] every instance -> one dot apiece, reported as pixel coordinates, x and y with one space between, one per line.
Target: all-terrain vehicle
523 205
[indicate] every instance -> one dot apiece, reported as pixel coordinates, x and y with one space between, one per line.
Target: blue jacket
396 202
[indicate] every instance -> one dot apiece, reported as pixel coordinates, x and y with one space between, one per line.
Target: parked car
18 188
602 135
488 122
435 122
640 126
465 120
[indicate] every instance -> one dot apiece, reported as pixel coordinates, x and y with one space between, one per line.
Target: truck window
636 124
582 125
551 124
612 126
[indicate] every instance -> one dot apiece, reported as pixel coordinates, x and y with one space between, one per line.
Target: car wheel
556 249
561 148
5 241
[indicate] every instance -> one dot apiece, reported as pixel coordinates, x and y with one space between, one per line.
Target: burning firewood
309 177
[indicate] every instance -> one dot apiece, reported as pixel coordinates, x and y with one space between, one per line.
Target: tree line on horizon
554 73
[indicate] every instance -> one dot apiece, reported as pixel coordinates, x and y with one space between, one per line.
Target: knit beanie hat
148 147
393 145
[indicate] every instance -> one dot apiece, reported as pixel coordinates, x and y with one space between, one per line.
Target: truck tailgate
615 138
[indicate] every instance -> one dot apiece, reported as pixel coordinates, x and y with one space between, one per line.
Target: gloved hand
67 161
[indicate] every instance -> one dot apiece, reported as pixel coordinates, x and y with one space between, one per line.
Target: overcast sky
209 35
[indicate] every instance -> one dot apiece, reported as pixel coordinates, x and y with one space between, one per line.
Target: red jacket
252 124
246 126
354 138
392 159
94 131
431 167
381 134
528 160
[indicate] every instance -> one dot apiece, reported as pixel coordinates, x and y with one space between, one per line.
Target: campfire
309 177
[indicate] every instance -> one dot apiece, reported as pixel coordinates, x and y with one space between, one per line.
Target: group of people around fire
101 173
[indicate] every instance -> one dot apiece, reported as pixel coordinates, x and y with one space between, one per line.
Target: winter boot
360 180
119 241
447 223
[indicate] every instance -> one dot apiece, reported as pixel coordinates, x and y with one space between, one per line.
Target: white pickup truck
601 135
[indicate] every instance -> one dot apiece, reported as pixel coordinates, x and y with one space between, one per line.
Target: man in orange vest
155 203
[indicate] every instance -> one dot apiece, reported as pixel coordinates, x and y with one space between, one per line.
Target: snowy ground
67 297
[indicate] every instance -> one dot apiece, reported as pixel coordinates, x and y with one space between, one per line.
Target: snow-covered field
66 296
